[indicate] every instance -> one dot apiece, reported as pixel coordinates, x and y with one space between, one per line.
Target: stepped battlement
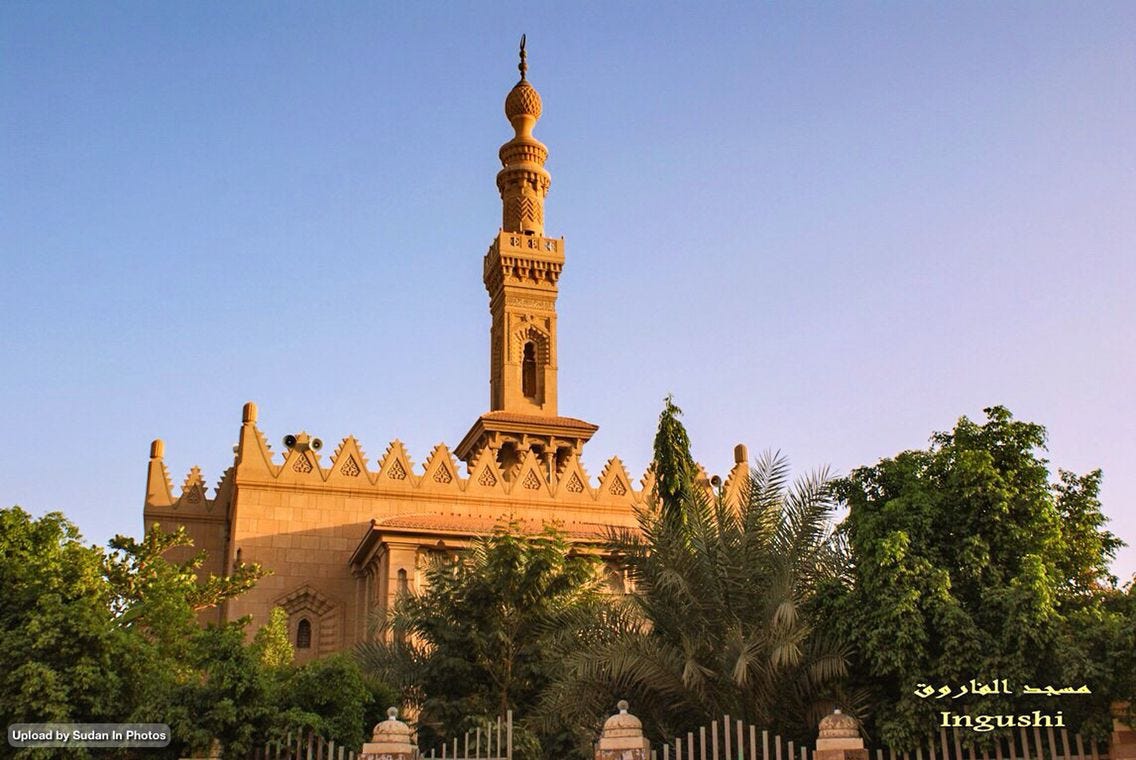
347 469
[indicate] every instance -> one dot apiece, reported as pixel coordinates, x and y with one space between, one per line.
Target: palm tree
720 619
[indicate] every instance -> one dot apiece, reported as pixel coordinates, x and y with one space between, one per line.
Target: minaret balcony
515 258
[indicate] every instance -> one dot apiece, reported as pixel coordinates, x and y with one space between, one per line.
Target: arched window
528 371
304 634
403 583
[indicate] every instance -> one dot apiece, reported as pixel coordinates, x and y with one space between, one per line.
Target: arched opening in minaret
304 634
528 371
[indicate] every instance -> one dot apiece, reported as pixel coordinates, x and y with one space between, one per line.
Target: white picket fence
495 742
735 740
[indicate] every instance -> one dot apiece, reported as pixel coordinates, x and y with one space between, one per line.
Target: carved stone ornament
839 738
622 737
390 740
532 482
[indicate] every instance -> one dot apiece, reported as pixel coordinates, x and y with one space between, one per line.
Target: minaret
522 268
521 272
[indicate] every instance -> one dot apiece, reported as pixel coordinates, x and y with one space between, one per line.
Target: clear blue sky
829 228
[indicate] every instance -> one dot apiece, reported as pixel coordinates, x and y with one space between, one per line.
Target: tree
273 647
160 598
94 636
475 641
207 684
91 636
673 463
243 694
332 697
721 617
969 563
62 658
227 696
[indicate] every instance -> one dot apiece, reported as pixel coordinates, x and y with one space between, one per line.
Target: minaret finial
523 181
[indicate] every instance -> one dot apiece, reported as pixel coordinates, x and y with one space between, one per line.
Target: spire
521 271
523 182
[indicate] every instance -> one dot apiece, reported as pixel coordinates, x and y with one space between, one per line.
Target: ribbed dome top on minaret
523 99
523 182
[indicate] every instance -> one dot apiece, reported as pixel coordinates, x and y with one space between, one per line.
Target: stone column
390 740
622 737
840 739
1122 743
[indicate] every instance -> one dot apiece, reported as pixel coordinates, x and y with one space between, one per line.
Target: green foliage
160 598
969 564
271 642
674 465
229 696
331 696
721 620
88 636
62 659
475 642
240 701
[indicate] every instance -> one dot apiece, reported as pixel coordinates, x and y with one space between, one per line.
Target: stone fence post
1122 743
390 740
840 739
622 737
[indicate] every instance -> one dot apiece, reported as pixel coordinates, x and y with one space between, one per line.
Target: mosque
342 536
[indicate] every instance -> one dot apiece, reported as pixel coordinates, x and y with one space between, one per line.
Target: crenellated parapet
192 500
442 474
530 479
206 520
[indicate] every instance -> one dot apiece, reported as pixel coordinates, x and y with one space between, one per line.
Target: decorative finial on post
390 740
523 66
840 738
622 737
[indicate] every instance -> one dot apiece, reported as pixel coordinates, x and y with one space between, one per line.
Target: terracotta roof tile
533 418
